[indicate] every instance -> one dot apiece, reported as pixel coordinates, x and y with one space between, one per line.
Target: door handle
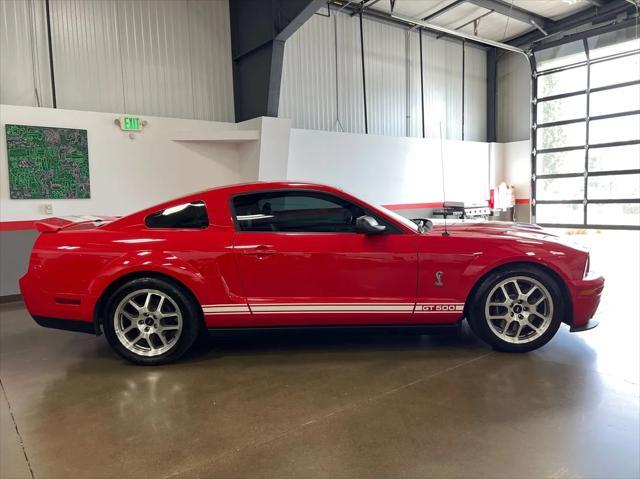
257 250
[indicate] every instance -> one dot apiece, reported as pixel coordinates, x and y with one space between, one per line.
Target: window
560 189
562 82
615 158
567 108
187 215
297 211
622 128
561 136
619 70
612 43
560 162
617 214
559 56
568 214
615 100
610 187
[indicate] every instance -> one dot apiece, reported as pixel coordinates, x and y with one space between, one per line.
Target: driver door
301 261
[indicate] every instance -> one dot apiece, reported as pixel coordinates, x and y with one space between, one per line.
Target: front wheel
149 321
518 309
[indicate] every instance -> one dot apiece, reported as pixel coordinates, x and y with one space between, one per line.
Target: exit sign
130 123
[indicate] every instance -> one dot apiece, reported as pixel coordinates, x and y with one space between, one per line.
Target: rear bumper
70 312
586 296
66 324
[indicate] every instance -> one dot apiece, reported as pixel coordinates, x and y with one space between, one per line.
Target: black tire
189 311
479 323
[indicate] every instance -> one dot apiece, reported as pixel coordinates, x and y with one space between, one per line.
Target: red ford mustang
266 255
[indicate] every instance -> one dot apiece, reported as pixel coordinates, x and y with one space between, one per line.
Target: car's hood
506 230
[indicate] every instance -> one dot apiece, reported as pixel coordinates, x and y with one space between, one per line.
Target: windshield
399 218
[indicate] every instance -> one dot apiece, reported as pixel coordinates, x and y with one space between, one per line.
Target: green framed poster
47 163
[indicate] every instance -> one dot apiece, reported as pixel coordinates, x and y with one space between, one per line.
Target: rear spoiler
52 225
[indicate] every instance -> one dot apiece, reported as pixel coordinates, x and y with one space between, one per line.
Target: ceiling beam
443 10
517 13
259 30
364 4
591 15
459 34
343 5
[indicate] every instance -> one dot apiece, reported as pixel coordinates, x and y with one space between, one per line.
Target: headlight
586 266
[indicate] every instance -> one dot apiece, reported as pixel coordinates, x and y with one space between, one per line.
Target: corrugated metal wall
309 84
24 58
513 84
442 63
167 58
392 66
475 93
86 52
414 93
385 64
315 86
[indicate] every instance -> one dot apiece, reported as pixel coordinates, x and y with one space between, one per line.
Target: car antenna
444 198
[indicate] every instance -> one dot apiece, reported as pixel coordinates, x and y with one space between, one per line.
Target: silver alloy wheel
148 322
519 309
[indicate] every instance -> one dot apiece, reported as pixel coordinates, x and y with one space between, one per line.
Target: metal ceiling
506 20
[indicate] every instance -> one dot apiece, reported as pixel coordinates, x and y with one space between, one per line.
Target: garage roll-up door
586 132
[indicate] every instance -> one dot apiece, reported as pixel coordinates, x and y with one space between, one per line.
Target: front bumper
592 323
586 295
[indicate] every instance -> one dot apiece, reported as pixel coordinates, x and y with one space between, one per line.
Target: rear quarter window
192 215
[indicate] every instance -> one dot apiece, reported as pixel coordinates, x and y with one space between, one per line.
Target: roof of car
259 185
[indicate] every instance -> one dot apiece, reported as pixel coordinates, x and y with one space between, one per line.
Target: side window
295 211
188 215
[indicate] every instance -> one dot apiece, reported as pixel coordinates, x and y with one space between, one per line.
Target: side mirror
368 225
424 225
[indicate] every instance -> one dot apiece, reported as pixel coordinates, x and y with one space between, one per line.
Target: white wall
513 166
127 175
165 58
517 167
391 171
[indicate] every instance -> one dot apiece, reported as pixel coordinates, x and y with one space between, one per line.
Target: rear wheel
517 309
150 321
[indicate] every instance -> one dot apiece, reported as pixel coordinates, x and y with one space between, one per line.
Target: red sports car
273 255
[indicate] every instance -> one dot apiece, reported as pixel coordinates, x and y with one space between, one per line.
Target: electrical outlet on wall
48 209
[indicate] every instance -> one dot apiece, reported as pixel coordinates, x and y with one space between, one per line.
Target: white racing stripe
357 308
225 309
330 308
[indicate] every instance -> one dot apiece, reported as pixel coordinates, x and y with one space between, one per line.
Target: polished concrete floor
331 405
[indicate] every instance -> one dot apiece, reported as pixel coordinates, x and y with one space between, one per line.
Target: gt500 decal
439 307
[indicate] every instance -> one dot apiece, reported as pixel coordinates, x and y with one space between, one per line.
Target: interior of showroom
457 112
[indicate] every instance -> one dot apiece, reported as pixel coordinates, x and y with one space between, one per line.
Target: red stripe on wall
522 201
17 225
413 206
